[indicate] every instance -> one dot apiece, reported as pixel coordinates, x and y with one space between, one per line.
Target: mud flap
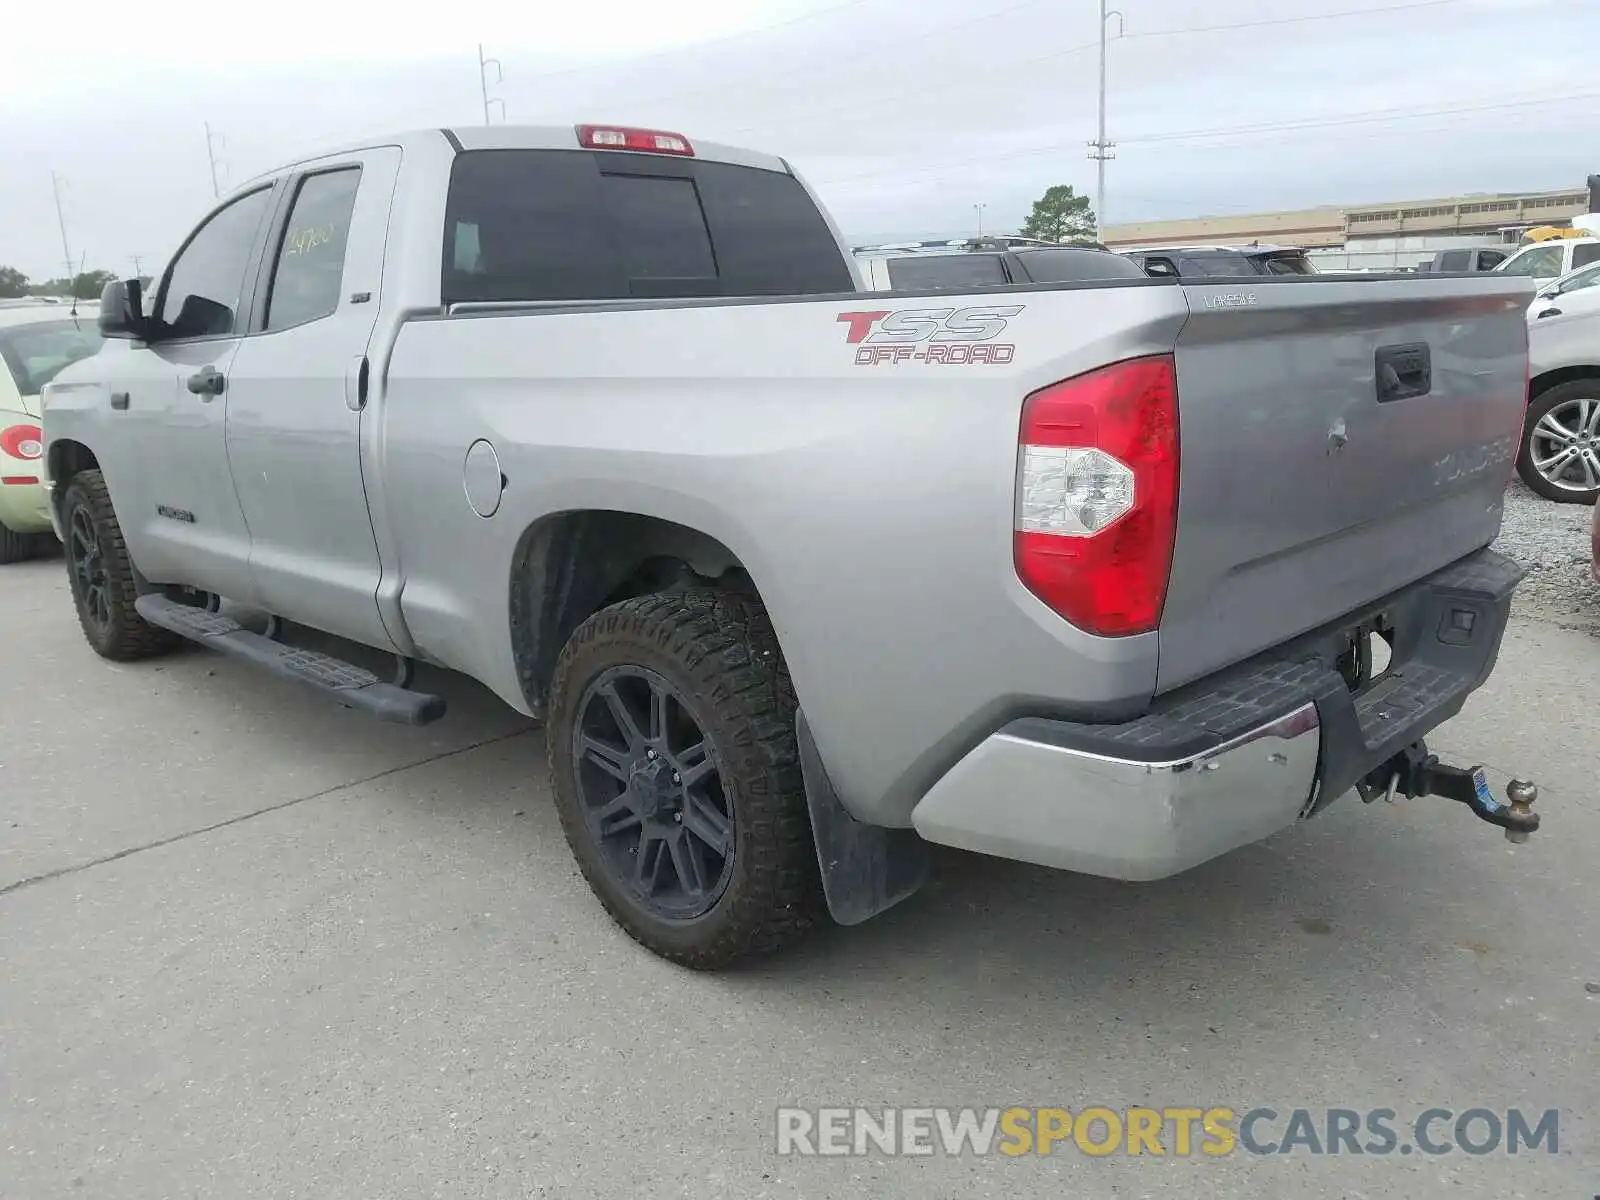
865 868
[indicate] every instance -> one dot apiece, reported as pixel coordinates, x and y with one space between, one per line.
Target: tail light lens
23 441
1097 495
620 137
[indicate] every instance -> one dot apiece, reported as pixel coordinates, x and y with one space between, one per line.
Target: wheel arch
1540 384
569 565
65 458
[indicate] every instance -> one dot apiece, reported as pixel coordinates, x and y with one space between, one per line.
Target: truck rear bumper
1227 761
1057 806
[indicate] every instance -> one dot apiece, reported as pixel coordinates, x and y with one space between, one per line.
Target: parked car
1560 453
1471 258
798 578
1199 262
1574 281
37 339
1552 260
911 271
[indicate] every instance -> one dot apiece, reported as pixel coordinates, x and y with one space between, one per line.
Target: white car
1576 281
1552 260
37 339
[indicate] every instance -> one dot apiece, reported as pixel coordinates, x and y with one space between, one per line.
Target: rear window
1582 256
1074 266
37 353
584 225
1222 266
1454 260
1284 264
945 271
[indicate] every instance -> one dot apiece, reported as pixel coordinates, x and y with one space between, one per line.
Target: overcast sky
904 113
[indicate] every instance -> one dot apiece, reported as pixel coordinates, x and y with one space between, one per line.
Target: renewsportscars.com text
1176 1131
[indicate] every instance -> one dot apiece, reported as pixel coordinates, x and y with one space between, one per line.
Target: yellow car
37 339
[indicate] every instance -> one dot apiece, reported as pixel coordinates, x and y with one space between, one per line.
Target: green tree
89 284
85 286
1060 215
13 283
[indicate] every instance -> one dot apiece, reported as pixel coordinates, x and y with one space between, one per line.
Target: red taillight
1097 495
23 441
620 137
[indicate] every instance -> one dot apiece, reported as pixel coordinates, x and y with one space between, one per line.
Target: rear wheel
17 547
677 777
1560 453
101 575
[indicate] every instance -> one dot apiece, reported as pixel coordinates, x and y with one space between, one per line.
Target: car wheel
676 774
101 575
1560 453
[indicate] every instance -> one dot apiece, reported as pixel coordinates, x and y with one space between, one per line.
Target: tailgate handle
1403 371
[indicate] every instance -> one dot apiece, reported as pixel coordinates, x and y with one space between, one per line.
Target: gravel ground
1552 540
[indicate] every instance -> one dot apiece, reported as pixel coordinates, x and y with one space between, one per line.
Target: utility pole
211 153
483 84
138 265
61 219
1100 149
978 208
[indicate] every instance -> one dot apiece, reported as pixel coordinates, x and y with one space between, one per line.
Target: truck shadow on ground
1358 901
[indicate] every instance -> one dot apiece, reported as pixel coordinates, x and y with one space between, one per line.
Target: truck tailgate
1339 439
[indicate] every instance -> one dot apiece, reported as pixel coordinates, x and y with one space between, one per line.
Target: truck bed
869 486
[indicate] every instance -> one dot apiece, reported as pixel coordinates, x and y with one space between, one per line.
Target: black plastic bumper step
350 685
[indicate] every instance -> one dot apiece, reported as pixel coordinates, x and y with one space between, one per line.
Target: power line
1007 68
1266 21
1358 118
944 90
1370 116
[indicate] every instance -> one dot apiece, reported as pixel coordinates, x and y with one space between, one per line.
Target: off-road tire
718 650
17 547
1542 403
126 636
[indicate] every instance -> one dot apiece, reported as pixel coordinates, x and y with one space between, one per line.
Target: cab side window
308 272
204 289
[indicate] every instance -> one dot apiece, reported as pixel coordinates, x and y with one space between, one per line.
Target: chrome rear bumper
1026 799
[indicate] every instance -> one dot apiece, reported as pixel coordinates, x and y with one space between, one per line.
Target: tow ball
1414 772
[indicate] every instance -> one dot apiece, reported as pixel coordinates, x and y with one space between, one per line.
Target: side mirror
122 310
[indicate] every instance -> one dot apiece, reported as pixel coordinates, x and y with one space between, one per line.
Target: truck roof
1205 248
519 137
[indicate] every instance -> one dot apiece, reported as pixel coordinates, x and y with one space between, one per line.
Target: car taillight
1097 495
620 137
23 441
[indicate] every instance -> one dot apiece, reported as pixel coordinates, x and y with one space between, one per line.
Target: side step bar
350 685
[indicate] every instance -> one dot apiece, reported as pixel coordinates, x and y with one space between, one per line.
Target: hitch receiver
1414 772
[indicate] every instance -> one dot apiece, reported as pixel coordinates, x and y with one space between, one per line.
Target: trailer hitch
1414 773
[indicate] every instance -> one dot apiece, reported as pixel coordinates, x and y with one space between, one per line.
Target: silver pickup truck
1112 576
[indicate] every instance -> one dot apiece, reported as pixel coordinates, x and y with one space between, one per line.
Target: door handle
119 401
1550 312
207 382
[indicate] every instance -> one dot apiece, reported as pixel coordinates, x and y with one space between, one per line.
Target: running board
346 683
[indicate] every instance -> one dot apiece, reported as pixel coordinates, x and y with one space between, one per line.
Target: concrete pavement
251 945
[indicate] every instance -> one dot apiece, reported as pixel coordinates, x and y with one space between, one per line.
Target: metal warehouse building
1374 235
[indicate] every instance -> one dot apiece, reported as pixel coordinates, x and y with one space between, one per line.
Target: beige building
1333 227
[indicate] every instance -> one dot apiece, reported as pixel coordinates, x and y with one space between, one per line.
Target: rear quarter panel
872 504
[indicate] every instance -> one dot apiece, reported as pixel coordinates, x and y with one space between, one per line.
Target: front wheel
677 776
1560 453
101 575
